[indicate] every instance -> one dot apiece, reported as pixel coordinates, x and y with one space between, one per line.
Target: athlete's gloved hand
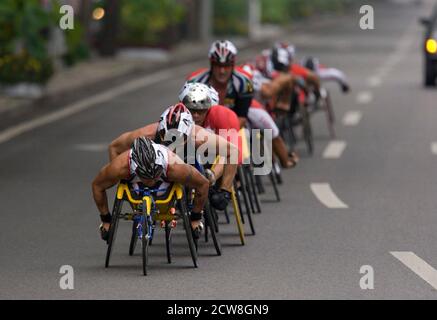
219 199
209 174
345 88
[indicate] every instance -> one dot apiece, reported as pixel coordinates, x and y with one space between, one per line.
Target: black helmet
280 58
311 63
144 156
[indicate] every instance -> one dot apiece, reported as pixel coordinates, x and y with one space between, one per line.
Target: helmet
289 47
310 63
178 119
198 96
144 156
280 58
222 51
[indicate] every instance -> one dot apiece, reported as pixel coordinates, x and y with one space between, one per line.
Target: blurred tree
148 21
24 33
107 39
230 17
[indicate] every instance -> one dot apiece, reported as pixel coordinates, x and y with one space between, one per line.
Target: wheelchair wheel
134 238
277 172
113 229
244 192
237 212
252 188
188 231
330 115
306 129
145 237
210 225
168 240
275 185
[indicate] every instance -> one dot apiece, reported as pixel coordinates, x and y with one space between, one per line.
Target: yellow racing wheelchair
147 208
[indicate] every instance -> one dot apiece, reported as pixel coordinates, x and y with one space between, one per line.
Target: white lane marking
90 102
352 118
418 266
364 97
326 196
434 148
334 150
92 147
375 81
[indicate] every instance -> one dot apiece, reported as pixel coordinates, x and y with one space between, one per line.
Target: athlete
326 73
233 85
177 119
151 164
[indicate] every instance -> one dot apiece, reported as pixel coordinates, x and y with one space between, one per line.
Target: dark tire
145 244
275 186
210 225
259 185
245 194
306 129
277 172
430 76
330 116
113 229
253 189
188 231
134 238
168 240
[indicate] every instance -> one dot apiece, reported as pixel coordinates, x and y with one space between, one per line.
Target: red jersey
225 123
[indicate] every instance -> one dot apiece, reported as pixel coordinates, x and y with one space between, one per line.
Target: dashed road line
326 196
364 97
434 148
334 149
92 147
375 81
418 266
352 118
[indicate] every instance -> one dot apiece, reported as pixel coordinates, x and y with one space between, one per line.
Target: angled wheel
330 115
145 236
275 185
188 231
113 229
211 226
134 238
237 212
245 194
306 129
168 240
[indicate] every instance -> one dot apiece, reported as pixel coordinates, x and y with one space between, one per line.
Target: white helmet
198 96
222 51
176 120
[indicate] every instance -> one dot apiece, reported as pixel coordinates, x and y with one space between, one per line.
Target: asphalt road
386 177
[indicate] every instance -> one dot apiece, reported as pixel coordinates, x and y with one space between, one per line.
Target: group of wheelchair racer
213 106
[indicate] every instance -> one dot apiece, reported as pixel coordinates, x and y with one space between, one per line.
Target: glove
220 199
345 88
209 174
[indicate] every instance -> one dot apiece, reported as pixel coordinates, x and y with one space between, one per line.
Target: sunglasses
201 112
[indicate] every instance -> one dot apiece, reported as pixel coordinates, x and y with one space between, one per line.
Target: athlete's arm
222 147
109 176
186 175
124 142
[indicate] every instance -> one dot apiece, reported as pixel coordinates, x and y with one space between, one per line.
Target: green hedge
230 17
146 21
284 11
